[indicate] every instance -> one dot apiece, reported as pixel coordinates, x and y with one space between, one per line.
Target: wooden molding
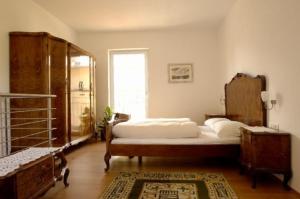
243 99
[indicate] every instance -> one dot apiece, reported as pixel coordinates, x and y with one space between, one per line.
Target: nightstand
265 150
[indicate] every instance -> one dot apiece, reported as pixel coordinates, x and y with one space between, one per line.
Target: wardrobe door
59 76
29 69
29 73
79 94
93 93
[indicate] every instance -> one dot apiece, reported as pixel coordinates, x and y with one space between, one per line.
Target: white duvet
157 128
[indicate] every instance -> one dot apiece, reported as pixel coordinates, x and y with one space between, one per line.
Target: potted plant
107 115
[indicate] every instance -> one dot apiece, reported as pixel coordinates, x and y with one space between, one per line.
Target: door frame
111 52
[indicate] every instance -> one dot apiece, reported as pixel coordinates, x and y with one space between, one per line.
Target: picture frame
180 72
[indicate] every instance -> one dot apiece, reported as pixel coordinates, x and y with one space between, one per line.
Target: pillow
210 122
228 128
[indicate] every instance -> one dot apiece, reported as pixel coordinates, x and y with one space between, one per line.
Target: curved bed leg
62 167
66 175
287 177
140 160
106 159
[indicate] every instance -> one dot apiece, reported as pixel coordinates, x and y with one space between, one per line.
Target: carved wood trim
243 99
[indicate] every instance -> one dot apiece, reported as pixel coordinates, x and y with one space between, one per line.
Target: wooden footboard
108 139
118 117
203 151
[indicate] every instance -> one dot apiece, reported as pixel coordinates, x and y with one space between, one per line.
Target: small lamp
265 98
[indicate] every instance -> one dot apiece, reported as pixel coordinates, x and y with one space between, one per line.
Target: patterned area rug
155 185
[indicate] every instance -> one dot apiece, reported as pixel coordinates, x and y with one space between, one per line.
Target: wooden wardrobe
43 64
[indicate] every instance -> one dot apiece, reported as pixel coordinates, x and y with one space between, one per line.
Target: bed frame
242 103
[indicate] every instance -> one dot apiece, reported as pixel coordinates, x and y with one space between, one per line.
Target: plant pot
103 134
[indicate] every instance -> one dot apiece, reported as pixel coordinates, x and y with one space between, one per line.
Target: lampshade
264 96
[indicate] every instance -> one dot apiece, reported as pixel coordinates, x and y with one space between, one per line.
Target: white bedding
205 136
162 120
157 128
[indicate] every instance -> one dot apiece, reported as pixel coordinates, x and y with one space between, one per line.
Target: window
128 83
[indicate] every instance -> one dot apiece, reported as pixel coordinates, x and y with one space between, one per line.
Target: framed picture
180 73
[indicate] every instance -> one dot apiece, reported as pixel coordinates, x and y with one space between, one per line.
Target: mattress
169 128
205 136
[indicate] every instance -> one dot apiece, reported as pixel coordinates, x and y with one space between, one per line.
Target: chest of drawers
266 152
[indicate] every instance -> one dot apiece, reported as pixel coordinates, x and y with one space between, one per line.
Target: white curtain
129 81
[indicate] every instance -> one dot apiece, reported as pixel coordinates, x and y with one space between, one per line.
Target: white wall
25 15
263 37
199 47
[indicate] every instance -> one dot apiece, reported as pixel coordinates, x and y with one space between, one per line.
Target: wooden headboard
243 99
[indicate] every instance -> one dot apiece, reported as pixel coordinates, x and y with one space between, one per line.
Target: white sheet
156 128
205 136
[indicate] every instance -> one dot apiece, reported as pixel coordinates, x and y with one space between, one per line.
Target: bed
242 103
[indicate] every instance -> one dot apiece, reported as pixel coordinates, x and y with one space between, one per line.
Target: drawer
34 179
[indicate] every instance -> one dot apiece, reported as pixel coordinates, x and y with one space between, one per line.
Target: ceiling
118 15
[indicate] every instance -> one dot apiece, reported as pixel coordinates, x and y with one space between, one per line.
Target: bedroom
253 37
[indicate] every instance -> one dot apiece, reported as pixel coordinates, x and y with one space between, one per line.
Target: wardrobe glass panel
93 94
80 95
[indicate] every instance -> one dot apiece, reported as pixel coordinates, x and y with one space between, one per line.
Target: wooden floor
88 179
